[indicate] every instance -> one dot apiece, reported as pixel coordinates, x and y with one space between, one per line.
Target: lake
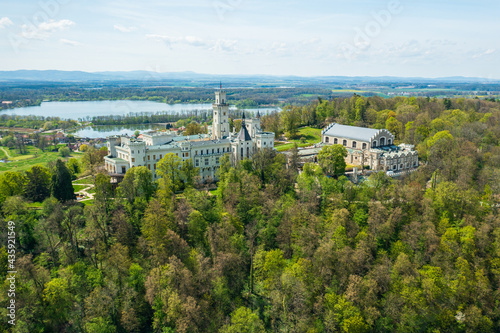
104 131
87 110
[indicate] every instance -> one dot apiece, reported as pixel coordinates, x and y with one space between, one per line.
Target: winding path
6 152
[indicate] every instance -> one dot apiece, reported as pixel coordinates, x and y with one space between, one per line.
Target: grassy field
88 202
78 188
310 134
34 156
288 146
86 180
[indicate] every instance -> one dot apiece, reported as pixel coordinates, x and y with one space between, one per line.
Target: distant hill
80 76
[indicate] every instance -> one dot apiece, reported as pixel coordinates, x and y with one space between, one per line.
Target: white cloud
122 28
487 52
5 21
223 45
44 29
69 42
188 40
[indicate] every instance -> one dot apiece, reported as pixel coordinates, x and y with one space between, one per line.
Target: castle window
374 144
364 145
154 157
248 152
149 166
213 150
382 141
154 166
149 157
344 142
197 162
144 159
335 141
133 160
241 152
218 150
206 161
354 144
224 113
123 169
327 139
389 142
217 160
160 156
132 151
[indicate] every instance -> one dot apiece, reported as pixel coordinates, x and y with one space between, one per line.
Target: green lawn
288 146
34 156
310 134
88 202
78 188
86 180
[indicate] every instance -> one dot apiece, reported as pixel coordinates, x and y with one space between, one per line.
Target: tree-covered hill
271 250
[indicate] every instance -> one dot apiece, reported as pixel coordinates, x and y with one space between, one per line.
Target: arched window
374 144
344 142
327 139
389 142
364 145
335 141
382 141
354 144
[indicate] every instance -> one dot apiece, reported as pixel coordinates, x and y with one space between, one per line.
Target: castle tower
220 125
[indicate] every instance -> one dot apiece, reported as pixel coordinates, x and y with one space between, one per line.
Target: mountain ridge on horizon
142 75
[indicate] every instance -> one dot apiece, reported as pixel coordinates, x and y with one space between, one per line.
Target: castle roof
351 132
243 135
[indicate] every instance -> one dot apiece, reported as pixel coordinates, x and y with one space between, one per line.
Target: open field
34 156
86 180
310 134
78 188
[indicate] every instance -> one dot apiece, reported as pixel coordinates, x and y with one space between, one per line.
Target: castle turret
220 126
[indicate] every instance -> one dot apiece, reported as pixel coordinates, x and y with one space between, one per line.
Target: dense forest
272 250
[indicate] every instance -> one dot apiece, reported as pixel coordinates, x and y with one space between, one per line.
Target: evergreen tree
61 187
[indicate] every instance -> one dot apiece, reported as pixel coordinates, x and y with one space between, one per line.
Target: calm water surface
87 110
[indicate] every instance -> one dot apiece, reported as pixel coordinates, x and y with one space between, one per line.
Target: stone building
371 147
204 150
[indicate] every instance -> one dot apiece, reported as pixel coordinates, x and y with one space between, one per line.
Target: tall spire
243 118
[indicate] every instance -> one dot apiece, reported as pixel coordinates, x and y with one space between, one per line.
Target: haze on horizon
313 38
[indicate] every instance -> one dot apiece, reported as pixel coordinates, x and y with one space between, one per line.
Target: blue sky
308 38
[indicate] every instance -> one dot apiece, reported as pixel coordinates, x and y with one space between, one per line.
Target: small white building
204 150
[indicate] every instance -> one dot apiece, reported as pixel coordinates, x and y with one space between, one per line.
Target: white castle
204 150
